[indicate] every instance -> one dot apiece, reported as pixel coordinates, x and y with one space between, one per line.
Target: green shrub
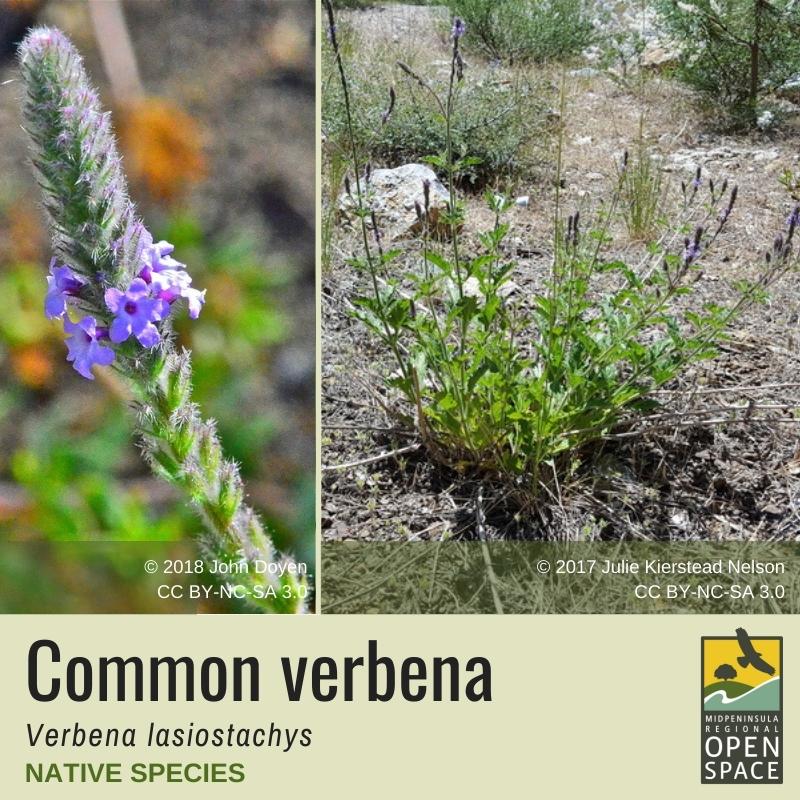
735 52
526 30
500 128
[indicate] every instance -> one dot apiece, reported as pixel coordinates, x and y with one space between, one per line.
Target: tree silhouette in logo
725 672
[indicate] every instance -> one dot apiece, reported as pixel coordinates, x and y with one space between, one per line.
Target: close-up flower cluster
116 289
137 312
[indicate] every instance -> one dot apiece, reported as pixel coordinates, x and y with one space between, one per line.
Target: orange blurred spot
163 147
33 366
21 5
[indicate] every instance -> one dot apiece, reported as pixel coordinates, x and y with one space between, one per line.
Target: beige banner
581 707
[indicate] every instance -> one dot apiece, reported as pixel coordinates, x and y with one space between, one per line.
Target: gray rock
584 72
687 161
393 193
658 56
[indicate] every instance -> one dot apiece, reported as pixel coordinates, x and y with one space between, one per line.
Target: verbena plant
735 52
527 30
519 390
115 290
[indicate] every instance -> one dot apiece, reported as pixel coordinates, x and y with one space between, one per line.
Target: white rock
584 72
765 155
392 195
765 121
656 55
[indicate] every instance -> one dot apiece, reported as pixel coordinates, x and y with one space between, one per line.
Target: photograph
559 272
157 275
377 376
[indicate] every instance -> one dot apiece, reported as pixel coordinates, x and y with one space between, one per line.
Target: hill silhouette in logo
731 688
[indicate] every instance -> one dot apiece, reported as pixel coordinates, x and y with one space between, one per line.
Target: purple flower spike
691 252
793 219
62 282
83 345
459 28
135 314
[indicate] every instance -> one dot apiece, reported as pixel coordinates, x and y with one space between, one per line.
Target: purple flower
83 345
794 218
62 282
691 251
169 284
459 28
156 258
168 278
135 314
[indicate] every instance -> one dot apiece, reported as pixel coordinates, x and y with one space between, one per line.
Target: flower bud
231 491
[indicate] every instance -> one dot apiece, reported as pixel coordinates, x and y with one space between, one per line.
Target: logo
742 708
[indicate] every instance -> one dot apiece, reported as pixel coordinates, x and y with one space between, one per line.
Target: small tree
725 672
735 52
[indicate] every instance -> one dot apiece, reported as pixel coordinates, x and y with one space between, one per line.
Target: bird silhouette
750 656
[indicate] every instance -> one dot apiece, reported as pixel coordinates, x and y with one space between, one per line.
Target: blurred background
213 104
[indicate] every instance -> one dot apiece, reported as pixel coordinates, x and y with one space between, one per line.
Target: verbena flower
62 283
388 112
135 312
156 257
691 252
692 247
726 212
793 220
459 28
83 345
168 278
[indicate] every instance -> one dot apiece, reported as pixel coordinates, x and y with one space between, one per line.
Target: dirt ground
736 480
